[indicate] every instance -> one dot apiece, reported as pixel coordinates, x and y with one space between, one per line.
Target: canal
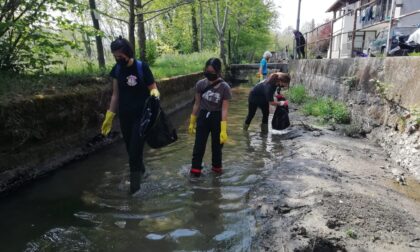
85 206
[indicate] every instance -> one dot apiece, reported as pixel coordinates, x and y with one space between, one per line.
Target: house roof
340 4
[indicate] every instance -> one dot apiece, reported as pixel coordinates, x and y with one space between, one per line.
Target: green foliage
151 52
178 64
414 54
75 74
328 109
297 94
351 233
32 36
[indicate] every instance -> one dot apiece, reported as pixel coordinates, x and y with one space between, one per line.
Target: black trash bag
155 127
150 113
281 118
162 133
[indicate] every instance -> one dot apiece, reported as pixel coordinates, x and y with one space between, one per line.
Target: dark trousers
252 109
301 51
207 122
134 143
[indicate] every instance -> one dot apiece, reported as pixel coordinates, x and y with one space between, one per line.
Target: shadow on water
86 207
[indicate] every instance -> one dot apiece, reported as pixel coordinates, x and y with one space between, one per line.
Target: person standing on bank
209 115
262 96
300 44
132 83
263 70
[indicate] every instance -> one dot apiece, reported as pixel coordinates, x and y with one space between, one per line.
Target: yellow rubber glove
154 92
193 124
223 132
107 124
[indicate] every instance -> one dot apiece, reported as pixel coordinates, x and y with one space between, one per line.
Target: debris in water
227 235
179 233
120 224
155 237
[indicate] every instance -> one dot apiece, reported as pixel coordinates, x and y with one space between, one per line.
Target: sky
310 9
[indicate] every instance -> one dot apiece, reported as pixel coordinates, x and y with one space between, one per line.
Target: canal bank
382 94
41 133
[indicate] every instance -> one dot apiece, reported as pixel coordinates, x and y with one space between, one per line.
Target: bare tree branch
166 9
123 5
111 17
226 15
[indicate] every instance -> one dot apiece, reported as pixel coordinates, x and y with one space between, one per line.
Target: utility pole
388 44
297 29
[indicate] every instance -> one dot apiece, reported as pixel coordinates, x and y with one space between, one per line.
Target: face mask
210 76
122 62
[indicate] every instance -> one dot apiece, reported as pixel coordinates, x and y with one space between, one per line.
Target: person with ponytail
133 83
262 96
209 115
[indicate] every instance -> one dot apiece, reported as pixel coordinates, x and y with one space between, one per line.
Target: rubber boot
264 128
246 126
135 180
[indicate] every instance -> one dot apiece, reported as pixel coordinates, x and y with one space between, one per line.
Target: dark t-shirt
262 93
133 91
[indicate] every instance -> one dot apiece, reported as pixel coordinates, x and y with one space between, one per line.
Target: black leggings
133 142
207 122
252 109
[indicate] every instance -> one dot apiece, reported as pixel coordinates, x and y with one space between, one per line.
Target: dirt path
329 192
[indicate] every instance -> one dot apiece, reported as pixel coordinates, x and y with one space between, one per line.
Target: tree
194 29
29 33
220 26
99 45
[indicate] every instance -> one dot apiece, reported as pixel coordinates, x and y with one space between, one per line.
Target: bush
327 109
151 52
297 94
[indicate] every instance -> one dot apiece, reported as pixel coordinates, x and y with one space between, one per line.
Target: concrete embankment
41 133
383 95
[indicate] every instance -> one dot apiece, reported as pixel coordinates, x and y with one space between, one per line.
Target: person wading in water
262 96
209 115
132 83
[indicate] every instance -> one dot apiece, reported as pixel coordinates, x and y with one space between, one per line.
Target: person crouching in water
132 83
209 115
262 96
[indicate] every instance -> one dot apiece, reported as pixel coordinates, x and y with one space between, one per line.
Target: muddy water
85 207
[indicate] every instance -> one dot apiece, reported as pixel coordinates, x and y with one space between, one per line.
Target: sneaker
195 172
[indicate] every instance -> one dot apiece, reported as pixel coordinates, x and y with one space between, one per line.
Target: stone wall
41 133
383 95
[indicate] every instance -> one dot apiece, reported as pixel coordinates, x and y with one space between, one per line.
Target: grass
414 54
351 233
326 108
177 64
297 94
77 73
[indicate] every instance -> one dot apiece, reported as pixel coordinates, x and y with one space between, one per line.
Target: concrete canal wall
40 134
383 95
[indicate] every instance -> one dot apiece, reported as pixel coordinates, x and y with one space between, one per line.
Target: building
368 18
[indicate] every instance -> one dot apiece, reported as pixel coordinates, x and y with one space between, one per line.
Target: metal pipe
388 44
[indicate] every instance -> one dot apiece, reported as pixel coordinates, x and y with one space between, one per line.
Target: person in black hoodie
132 83
300 44
262 96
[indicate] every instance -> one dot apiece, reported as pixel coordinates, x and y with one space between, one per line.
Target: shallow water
86 206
